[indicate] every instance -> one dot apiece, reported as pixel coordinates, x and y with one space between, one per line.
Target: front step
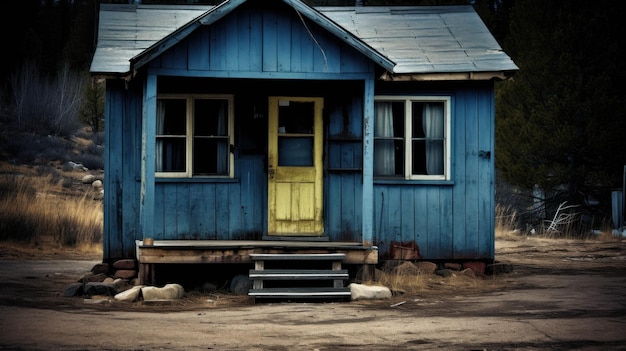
299 293
296 273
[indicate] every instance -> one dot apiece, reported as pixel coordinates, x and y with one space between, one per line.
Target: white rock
369 292
88 179
130 295
168 292
97 184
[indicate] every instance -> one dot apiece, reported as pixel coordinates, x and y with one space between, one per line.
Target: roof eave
166 43
446 76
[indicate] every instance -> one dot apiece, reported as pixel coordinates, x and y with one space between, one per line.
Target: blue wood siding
122 166
453 220
257 52
220 210
343 185
263 43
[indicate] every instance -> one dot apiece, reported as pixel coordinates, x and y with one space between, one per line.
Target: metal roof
410 40
125 31
426 39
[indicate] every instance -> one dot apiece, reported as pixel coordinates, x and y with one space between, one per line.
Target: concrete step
298 257
300 293
298 274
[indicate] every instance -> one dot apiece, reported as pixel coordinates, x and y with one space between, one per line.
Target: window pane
388 157
428 128
211 117
211 156
389 139
171 117
170 155
295 151
295 117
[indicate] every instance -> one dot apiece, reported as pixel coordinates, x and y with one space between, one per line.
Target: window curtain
384 154
160 126
222 144
432 119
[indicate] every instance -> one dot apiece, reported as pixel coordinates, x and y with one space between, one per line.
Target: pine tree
561 122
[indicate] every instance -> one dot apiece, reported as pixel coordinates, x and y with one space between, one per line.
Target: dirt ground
561 295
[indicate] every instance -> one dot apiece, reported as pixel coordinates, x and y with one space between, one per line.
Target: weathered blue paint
263 42
122 171
368 162
147 155
453 219
261 50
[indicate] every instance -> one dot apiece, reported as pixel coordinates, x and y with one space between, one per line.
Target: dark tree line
561 121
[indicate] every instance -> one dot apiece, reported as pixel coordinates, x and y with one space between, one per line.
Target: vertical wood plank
348 203
256 43
222 210
197 211
231 44
209 194
147 155
486 178
472 173
170 211
113 214
420 220
270 42
217 57
407 220
183 212
199 49
433 221
244 57
234 205
297 39
283 43
131 156
159 214
459 164
368 160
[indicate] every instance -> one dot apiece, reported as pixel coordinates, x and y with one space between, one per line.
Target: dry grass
506 228
425 284
34 212
505 223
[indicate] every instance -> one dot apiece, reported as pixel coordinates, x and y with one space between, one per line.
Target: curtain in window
160 126
384 154
433 127
222 145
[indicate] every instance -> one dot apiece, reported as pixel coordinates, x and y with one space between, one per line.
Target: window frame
408 122
189 135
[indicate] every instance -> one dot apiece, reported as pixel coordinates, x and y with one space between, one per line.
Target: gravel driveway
561 295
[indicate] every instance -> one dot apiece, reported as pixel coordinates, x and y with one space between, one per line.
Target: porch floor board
239 251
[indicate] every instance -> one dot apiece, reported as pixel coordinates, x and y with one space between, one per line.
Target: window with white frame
194 134
412 137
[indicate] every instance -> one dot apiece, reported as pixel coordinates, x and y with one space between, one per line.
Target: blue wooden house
272 127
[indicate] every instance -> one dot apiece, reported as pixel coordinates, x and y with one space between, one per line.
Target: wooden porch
241 252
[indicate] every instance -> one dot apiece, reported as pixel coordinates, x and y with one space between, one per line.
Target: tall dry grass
506 223
32 212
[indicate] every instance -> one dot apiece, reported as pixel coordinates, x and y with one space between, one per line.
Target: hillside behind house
50 190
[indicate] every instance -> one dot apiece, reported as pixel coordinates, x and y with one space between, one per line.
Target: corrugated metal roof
437 39
125 31
418 39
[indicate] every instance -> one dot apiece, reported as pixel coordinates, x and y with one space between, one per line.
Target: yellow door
295 166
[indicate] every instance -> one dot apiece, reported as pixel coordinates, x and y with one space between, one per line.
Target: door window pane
295 151
295 117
